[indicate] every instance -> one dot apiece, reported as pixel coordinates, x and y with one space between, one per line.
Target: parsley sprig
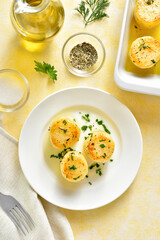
46 68
92 10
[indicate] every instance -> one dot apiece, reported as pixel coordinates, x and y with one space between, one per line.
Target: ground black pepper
83 56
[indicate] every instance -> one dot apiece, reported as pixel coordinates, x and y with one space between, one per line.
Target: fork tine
12 217
25 213
22 216
15 213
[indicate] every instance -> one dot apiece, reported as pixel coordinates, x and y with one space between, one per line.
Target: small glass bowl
78 39
14 90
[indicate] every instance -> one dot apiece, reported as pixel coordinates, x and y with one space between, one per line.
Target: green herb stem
92 10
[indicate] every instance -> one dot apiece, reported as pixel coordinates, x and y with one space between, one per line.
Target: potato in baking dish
64 133
147 13
74 166
99 146
145 52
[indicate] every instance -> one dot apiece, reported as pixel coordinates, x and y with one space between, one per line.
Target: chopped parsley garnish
103 125
102 140
67 139
86 176
64 145
105 128
90 127
85 138
72 168
77 177
90 183
111 160
98 171
153 61
61 154
149 2
93 165
64 130
64 122
99 122
84 128
72 156
86 117
91 134
74 119
143 46
102 145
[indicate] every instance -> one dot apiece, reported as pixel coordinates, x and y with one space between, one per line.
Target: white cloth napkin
51 224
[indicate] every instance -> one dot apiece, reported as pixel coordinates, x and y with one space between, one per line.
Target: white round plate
118 175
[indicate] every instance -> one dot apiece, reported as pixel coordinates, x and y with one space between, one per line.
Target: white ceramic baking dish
147 83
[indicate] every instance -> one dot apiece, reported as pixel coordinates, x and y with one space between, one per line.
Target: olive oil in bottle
37 20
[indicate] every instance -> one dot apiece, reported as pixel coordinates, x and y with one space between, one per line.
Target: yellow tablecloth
136 214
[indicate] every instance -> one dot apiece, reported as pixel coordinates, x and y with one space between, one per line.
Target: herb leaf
149 2
63 129
77 177
84 128
103 125
73 167
90 127
61 154
98 171
64 122
46 68
102 145
86 117
105 128
92 10
153 61
143 46
93 165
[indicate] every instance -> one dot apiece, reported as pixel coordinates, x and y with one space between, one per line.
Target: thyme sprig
92 10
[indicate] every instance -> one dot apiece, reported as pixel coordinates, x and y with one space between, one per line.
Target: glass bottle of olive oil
37 20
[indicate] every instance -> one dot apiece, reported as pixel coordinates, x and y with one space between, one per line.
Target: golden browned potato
147 13
99 146
145 52
64 133
74 166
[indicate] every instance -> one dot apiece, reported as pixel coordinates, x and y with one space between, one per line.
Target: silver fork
16 213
